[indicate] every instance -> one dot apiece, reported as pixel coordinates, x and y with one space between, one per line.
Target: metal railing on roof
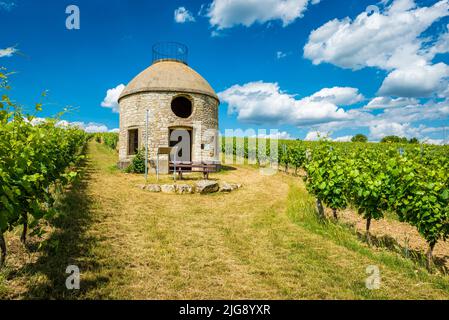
170 51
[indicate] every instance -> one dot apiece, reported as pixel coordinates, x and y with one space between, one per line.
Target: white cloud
261 102
438 142
401 5
266 103
35 121
338 95
419 81
387 128
216 34
90 127
8 52
62 123
261 133
182 15
316 135
388 102
397 118
442 45
38 121
281 135
94 128
281 55
390 40
202 12
343 139
435 129
111 99
229 13
414 113
116 130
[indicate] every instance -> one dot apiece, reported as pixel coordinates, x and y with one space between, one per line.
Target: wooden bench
204 168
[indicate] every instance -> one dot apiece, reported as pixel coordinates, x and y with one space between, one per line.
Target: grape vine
34 156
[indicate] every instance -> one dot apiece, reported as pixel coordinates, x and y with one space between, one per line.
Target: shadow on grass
391 244
225 168
68 245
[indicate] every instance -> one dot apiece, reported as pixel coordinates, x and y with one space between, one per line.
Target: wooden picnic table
205 168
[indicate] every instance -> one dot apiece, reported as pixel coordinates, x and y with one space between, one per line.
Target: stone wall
203 121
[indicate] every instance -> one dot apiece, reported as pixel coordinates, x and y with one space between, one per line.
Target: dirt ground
398 236
389 232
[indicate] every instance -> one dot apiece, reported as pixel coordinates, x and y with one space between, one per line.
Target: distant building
182 106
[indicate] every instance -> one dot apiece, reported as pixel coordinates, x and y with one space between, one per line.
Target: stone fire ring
201 187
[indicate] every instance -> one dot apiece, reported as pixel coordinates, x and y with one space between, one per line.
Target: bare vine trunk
320 208
368 234
430 263
334 211
3 250
23 237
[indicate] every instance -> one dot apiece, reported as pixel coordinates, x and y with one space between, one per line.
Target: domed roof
169 75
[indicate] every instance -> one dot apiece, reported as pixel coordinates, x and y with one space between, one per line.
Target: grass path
261 242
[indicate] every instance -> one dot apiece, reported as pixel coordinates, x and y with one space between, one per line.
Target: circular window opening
182 107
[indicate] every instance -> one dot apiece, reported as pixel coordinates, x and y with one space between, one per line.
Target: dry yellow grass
256 243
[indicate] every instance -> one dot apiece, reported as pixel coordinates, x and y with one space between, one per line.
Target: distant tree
359 138
414 141
394 139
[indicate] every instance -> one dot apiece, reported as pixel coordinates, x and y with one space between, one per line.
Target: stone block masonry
203 122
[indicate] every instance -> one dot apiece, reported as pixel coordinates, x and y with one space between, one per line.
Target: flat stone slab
235 186
168 188
153 188
226 187
184 189
206 186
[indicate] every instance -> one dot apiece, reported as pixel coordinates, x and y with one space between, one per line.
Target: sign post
146 146
175 149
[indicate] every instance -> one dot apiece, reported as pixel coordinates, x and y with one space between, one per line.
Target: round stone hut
182 111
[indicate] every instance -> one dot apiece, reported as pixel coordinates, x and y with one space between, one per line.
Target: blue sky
301 66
